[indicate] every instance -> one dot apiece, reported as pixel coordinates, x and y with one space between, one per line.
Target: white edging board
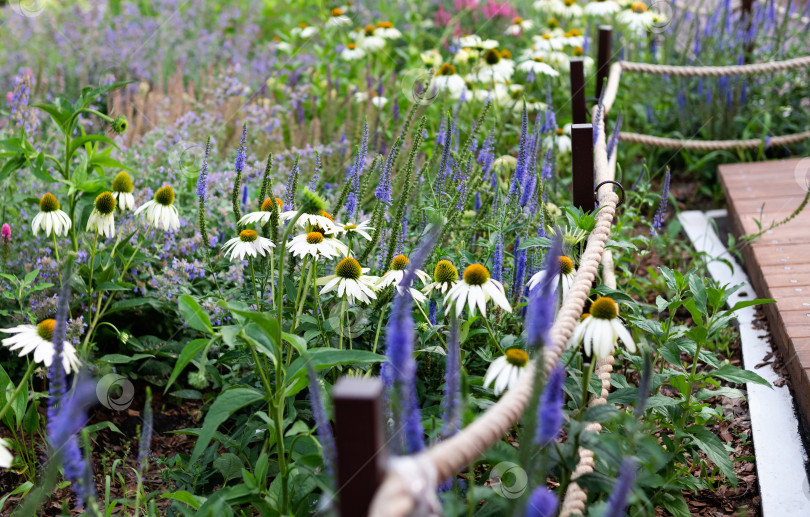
780 455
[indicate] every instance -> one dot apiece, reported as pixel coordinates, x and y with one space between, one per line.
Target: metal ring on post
621 198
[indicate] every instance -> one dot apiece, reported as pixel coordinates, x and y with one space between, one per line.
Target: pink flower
442 17
494 8
5 233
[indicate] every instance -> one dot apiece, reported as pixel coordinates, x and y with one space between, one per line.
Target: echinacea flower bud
445 272
119 125
312 203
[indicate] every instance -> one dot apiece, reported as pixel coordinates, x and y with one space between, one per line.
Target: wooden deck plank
779 261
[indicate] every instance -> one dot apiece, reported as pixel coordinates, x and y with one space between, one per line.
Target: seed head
105 203
48 203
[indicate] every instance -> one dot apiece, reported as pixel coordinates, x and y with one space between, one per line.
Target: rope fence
407 485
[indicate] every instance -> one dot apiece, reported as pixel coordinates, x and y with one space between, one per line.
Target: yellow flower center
122 183
517 21
349 268
48 203
492 56
446 69
165 195
537 59
267 205
579 51
569 3
553 23
517 357
303 25
385 25
314 237
476 274
566 265
369 30
399 263
105 203
574 32
336 12
327 215
506 54
638 7
351 46
248 236
445 273
349 226
45 329
546 36
604 308
560 131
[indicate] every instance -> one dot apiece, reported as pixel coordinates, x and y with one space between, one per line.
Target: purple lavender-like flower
542 503
543 299
477 205
617 503
550 410
497 259
289 193
432 309
324 430
441 134
313 181
202 179
451 402
486 155
614 137
241 153
661 213
520 269
519 176
548 166
599 109
395 110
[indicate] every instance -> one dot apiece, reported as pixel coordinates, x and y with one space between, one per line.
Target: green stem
586 382
491 334
92 261
23 382
253 279
135 251
299 300
56 251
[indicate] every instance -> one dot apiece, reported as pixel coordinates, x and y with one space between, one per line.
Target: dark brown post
748 18
582 165
361 452
578 108
603 57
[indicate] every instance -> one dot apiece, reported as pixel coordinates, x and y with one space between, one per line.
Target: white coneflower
518 27
369 41
466 55
569 9
549 41
352 53
475 289
50 218
447 80
282 45
574 38
316 245
350 281
445 277
249 243
494 68
101 218
471 41
122 188
588 63
161 211
601 329
637 18
563 281
338 19
387 30
600 8
304 31
561 139
37 339
6 458
537 66
263 215
431 57
324 220
360 229
505 371
395 275
379 102
548 6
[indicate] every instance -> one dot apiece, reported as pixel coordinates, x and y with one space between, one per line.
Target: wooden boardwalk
778 263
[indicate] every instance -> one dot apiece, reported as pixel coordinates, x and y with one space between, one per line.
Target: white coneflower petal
505 371
474 290
361 229
315 244
36 339
50 218
6 458
249 244
350 281
601 329
102 219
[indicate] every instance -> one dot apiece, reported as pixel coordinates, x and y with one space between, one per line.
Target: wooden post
578 107
603 57
359 438
582 165
748 18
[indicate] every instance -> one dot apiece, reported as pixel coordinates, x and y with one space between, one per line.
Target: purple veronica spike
617 503
520 269
543 299
661 213
241 153
497 259
550 410
324 430
202 179
313 181
542 503
146 434
614 137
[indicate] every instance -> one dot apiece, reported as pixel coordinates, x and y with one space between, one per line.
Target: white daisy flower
537 66
323 221
350 281
386 30
472 41
548 6
249 243
161 211
494 68
122 188
505 371
370 41
361 229
263 216
6 458
282 45
395 275
445 277
548 42
379 102
447 80
637 18
304 31
518 27
316 245
489 43
431 57
338 19
50 217
573 38
37 339
101 218
475 289
466 55
569 9
562 139
601 329
601 8
563 281
352 53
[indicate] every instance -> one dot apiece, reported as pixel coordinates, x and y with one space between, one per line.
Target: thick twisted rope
713 145
715 71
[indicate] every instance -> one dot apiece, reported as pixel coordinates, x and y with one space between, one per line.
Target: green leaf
112 286
321 359
78 142
748 303
698 288
714 449
675 504
194 315
186 497
224 406
191 349
731 373
229 465
102 425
